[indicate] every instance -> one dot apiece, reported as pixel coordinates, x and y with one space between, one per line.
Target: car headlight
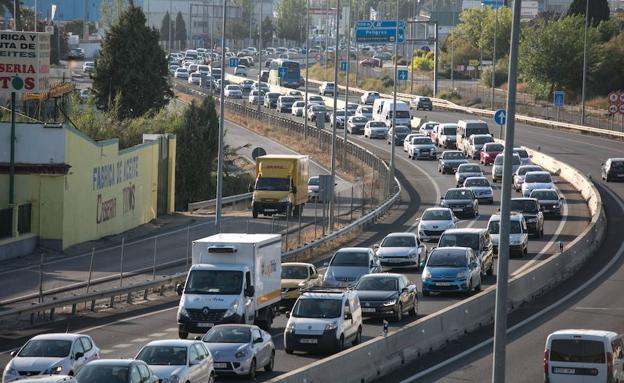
461 274
556 205
443 203
182 312
241 353
285 199
421 233
290 326
411 254
53 370
10 371
426 274
391 302
331 326
231 310
172 379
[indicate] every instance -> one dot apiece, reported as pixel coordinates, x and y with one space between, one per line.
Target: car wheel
414 311
607 178
269 367
252 369
490 270
254 213
358 337
469 290
288 351
541 234
341 344
211 378
478 288
525 251
425 293
399 314
182 334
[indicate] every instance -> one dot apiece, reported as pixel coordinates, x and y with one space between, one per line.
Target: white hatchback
177 360
434 221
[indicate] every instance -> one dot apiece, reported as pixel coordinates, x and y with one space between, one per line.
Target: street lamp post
307 66
394 96
332 200
260 64
494 57
584 62
348 25
221 126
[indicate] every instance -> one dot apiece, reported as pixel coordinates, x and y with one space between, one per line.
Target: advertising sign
24 61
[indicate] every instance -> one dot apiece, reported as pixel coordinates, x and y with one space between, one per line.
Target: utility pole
435 60
348 24
394 95
260 64
494 57
307 65
584 62
453 50
221 126
170 25
332 201
502 274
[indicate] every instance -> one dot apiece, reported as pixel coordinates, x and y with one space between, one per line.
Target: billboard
24 61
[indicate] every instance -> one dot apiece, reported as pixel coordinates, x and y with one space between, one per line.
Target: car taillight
609 365
546 361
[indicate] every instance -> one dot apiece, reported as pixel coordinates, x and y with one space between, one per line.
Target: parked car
48 354
518 176
233 91
323 320
478 239
348 264
375 129
536 180
497 167
356 124
481 188
178 360
117 371
518 234
295 277
401 250
475 144
450 160
612 169
530 209
489 152
550 201
467 170
369 97
451 269
421 102
433 222
328 88
387 295
240 349
461 202
284 104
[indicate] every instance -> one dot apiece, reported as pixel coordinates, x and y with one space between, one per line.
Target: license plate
560 370
220 365
458 209
308 341
620 175
443 284
270 210
205 325
368 310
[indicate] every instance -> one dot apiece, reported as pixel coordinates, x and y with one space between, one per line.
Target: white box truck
235 278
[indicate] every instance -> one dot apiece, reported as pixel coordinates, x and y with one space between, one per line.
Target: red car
371 62
489 152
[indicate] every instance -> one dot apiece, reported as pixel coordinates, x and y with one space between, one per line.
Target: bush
451 95
423 90
387 81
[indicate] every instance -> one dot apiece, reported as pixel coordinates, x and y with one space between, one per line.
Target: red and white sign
616 102
24 61
613 109
613 97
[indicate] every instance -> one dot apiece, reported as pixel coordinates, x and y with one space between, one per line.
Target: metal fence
6 217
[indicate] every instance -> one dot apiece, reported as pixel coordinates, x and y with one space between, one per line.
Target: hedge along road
422 185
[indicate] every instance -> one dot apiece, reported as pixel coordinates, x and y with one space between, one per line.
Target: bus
293 73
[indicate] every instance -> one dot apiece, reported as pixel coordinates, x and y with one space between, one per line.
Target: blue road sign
343 66
281 72
402 74
233 62
500 116
558 98
492 2
379 32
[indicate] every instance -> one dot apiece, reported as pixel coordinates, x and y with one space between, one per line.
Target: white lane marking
123 345
140 340
158 334
599 308
533 317
172 329
106 351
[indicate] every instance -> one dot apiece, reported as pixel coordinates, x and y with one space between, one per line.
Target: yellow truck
281 185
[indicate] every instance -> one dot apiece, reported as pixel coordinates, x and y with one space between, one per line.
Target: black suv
530 209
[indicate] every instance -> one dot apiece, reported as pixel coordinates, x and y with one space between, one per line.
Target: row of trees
173 32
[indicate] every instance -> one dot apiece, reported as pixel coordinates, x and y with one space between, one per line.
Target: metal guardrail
225 200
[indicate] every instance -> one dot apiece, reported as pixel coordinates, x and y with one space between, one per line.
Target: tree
58 45
197 149
598 10
290 19
267 31
165 27
11 5
180 30
124 77
111 10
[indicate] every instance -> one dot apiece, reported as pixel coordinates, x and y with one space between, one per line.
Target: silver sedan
240 349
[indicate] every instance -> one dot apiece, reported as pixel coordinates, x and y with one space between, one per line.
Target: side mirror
348 316
13 353
250 291
198 337
287 314
560 198
179 289
441 197
404 290
78 355
376 246
325 264
257 340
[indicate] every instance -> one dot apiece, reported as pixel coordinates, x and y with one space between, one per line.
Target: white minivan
583 356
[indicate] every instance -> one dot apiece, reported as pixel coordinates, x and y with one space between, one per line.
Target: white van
402 113
378 108
466 128
583 356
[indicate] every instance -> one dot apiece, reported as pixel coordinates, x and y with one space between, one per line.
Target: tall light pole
332 201
502 274
170 24
221 126
348 25
584 62
307 65
394 94
494 56
260 64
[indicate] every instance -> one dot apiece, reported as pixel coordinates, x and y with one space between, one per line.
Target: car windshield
524 205
402 130
617 165
453 156
514 227
298 104
220 282
103 374
449 130
316 98
272 184
400 114
318 108
233 87
294 272
458 194
46 348
163 355
460 239
522 170
273 96
377 284
522 153
447 259
500 157
436 215
477 182
469 168
482 140
359 120
377 124
350 258
287 99
422 141
317 308
399 241
313 181
537 177
494 148
366 110
228 334
545 195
